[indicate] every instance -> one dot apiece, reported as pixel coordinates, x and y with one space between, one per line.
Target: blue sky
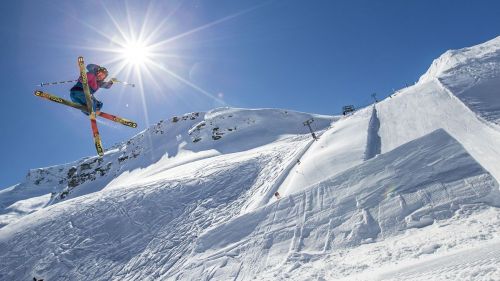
311 56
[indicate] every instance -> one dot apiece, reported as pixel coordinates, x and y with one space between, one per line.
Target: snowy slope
367 202
464 247
427 106
142 228
165 145
340 148
404 189
473 76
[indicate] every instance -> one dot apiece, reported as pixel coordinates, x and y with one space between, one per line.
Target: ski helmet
103 70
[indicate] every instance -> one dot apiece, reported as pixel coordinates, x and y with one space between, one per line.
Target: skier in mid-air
95 76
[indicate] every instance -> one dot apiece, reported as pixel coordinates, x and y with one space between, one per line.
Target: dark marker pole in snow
308 124
277 194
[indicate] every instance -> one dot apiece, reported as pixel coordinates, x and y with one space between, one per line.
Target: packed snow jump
91 79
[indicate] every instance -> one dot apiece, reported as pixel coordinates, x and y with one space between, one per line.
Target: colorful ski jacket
94 85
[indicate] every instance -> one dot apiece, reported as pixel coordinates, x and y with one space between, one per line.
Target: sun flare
149 51
136 53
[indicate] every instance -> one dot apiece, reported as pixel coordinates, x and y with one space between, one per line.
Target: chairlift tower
308 124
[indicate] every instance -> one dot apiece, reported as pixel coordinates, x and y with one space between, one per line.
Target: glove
114 80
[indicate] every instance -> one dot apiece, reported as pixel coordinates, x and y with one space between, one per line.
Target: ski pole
123 82
71 81
55 83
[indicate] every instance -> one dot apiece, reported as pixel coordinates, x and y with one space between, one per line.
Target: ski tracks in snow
471 264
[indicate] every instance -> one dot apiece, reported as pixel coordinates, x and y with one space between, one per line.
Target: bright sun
136 53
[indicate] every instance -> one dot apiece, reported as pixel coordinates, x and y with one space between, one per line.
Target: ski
118 119
90 107
105 115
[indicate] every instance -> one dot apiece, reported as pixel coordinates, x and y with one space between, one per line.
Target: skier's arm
92 81
107 84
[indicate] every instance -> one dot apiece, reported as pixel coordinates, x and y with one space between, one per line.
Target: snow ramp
428 106
341 147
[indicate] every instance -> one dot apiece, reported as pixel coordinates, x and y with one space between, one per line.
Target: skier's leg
79 97
97 104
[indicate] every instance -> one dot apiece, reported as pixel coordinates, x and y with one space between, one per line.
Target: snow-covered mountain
407 188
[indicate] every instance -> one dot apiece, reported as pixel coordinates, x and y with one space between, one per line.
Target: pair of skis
89 108
114 118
